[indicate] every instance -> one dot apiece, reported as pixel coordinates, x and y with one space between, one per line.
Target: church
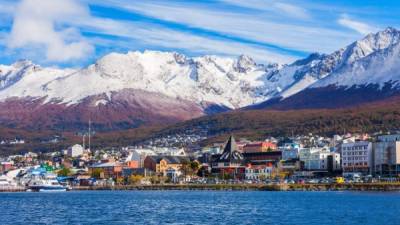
229 164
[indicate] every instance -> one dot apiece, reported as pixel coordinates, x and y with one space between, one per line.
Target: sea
200 207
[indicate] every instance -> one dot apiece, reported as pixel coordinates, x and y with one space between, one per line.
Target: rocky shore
253 187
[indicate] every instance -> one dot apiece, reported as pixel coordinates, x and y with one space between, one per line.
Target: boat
43 181
47 185
7 183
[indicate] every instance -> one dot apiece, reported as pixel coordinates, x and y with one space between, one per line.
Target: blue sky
75 33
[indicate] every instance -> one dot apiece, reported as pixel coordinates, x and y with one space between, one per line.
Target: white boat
7 183
46 185
43 181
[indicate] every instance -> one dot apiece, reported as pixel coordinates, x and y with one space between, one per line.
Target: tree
203 172
134 179
194 166
185 167
96 173
64 172
120 180
262 177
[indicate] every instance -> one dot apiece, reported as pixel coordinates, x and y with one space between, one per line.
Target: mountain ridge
150 87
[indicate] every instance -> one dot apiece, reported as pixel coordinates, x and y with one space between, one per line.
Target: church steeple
231 153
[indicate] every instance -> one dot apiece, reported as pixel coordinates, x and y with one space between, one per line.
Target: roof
231 153
103 165
169 159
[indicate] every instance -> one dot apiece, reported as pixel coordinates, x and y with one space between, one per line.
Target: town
305 159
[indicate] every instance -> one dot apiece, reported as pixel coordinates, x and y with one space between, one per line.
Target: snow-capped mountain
166 85
209 79
365 70
157 87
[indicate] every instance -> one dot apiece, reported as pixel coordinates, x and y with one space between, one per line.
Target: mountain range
122 91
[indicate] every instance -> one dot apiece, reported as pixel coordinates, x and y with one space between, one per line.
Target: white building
320 159
387 155
357 157
75 151
256 172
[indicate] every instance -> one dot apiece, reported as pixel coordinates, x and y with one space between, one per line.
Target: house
230 163
357 157
160 164
263 146
386 154
258 172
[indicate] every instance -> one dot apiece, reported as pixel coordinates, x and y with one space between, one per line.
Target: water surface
200 207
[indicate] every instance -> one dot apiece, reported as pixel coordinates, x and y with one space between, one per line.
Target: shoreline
382 187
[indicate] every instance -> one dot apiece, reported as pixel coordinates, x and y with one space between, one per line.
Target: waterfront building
230 163
320 159
387 155
258 172
160 164
357 157
108 169
126 172
263 157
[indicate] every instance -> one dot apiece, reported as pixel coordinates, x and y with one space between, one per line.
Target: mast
90 124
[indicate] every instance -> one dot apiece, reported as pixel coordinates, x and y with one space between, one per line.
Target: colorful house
161 164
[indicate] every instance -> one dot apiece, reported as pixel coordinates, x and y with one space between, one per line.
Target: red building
263 146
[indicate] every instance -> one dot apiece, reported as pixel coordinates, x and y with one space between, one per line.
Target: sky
74 33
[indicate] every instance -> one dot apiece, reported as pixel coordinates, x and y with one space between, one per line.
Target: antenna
90 124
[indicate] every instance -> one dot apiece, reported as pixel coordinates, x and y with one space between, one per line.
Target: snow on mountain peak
209 79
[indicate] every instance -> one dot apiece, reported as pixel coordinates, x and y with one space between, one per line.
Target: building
357 157
107 170
229 164
126 172
263 146
136 157
290 150
75 151
263 157
387 155
258 172
320 159
6 166
160 164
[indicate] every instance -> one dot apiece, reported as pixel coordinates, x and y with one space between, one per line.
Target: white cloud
43 24
292 10
283 9
358 26
255 27
145 35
